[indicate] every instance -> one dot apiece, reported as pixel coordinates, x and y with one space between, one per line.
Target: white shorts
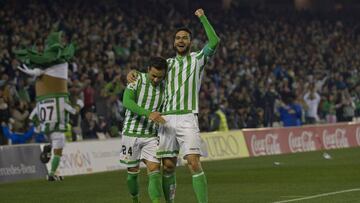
135 149
179 133
57 140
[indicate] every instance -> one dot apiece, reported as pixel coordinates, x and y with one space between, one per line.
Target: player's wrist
147 113
203 18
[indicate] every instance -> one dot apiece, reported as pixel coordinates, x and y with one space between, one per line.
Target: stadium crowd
272 66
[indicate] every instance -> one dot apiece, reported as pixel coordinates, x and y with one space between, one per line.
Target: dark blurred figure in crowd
290 112
89 126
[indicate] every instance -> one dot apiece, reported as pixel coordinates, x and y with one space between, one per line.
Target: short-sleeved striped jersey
183 82
148 97
53 110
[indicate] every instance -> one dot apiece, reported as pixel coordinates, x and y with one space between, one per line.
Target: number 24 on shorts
124 151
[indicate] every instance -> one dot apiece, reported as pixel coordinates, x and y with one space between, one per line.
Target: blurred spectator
75 119
290 112
219 119
204 120
20 114
89 126
4 116
101 106
4 109
240 117
17 138
269 100
89 95
114 87
329 109
348 106
356 99
116 116
9 90
312 101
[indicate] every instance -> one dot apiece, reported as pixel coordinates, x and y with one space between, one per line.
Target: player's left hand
131 76
156 117
199 12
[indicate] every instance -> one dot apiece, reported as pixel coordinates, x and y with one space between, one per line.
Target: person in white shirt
312 100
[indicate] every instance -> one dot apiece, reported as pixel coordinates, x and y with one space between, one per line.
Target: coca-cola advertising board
268 141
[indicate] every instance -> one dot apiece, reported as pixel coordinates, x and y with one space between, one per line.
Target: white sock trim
168 175
198 174
134 173
153 172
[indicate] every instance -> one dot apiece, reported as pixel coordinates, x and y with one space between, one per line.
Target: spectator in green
114 87
329 109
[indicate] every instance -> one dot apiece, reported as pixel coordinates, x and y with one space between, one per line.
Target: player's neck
182 55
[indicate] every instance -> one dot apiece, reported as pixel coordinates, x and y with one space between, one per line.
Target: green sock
155 187
133 185
169 186
200 187
54 164
135 199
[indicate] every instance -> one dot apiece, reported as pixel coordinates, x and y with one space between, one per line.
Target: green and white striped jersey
52 111
183 82
148 97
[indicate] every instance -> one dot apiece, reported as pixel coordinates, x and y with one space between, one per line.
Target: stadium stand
265 56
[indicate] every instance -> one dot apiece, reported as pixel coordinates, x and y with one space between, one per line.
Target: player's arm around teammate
143 99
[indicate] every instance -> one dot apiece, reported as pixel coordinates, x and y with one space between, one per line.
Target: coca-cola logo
301 143
335 140
266 146
358 135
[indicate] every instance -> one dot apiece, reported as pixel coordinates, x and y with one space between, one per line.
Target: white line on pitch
319 195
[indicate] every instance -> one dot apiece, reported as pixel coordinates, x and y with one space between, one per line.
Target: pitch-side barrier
20 162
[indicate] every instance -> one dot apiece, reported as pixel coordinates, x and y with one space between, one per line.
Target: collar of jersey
179 57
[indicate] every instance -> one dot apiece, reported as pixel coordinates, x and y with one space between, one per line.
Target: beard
182 52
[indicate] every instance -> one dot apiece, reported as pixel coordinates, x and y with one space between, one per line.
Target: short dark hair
183 29
158 62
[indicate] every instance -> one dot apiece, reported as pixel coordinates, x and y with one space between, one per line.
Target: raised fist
199 12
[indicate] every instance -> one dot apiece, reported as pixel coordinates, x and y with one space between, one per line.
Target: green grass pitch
231 181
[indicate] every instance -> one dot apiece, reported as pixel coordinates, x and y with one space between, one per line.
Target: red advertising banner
269 141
